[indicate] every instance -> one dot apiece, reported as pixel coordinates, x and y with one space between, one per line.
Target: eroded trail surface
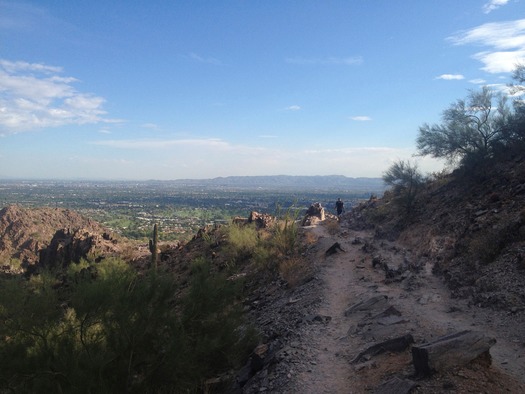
359 307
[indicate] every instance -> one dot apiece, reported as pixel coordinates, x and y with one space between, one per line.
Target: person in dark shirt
339 206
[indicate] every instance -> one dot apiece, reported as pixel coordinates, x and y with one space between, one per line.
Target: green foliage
284 239
104 328
154 247
471 128
515 130
212 321
243 241
15 265
378 213
517 88
266 248
406 182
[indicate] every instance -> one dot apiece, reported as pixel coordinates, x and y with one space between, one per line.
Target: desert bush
406 181
487 245
265 259
242 242
284 240
309 238
333 227
116 330
214 237
12 265
212 322
378 213
267 251
295 271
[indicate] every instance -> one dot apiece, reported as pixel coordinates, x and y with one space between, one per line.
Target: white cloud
361 118
450 77
506 41
500 87
499 62
349 151
345 61
200 59
13 67
293 108
478 81
33 96
493 5
214 143
152 126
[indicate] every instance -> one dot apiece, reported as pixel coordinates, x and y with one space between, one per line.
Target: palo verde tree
515 132
406 181
471 130
517 87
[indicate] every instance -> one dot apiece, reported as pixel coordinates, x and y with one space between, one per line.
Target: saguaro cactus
153 246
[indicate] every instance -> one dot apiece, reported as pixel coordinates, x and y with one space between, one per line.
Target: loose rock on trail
351 328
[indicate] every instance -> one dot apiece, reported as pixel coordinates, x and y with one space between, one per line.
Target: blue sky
200 89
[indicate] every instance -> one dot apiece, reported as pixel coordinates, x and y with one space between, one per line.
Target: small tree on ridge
406 181
471 128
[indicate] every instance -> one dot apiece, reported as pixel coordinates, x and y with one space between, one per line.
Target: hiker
339 206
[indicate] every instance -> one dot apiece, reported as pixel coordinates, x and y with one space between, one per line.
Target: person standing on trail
339 206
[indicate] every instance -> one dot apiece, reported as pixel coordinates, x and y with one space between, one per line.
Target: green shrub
212 320
284 239
242 242
104 328
406 181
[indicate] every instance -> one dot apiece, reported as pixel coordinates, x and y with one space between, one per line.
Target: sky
160 89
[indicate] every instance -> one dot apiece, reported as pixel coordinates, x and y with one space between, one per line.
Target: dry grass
333 227
309 238
295 271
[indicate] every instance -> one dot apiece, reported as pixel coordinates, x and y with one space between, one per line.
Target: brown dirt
427 312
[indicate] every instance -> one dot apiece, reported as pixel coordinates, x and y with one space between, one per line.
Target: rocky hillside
469 226
29 235
451 265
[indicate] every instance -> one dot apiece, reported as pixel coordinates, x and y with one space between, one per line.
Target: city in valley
182 207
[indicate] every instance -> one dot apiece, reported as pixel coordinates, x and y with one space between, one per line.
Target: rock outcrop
27 234
314 214
71 246
470 227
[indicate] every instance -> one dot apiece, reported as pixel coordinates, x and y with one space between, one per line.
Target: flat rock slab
372 303
398 344
450 351
391 320
396 386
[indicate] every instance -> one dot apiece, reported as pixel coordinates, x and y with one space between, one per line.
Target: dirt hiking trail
359 307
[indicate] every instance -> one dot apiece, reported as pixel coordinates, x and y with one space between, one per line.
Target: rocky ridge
471 229
51 236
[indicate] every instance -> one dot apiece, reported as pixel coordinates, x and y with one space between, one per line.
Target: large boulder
314 213
261 220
